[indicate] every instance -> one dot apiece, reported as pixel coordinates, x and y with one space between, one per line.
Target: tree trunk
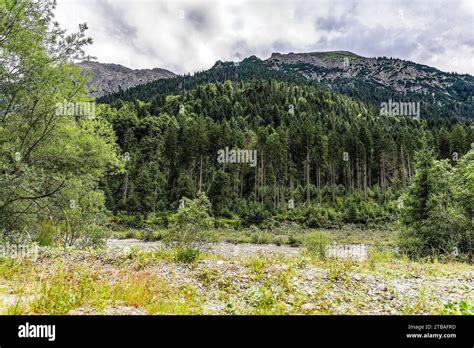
200 176
308 193
125 188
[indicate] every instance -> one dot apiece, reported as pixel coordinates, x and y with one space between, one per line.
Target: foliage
359 162
316 243
456 103
50 159
437 217
188 226
462 307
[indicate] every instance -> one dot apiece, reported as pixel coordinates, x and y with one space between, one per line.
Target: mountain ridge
371 80
108 78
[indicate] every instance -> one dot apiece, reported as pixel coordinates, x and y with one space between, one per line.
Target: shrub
152 236
187 254
188 226
157 219
316 217
316 244
261 237
80 221
253 213
359 211
130 221
221 222
294 240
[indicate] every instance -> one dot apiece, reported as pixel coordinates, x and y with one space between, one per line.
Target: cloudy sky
190 35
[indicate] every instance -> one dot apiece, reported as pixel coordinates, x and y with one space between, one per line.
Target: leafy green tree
219 191
48 149
464 194
435 221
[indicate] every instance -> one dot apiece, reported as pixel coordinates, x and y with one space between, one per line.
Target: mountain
110 78
379 79
370 80
402 76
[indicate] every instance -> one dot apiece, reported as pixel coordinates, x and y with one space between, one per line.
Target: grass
462 307
161 281
68 287
338 56
146 234
316 243
285 235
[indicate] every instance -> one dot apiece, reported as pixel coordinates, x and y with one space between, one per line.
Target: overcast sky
190 35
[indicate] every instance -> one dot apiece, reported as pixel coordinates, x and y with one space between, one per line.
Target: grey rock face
403 76
109 78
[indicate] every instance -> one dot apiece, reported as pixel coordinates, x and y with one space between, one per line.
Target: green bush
188 226
227 222
157 219
253 213
294 240
294 215
131 221
152 236
360 211
312 217
316 244
315 217
187 254
261 237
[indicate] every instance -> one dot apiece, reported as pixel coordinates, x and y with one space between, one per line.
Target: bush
152 236
261 237
159 219
188 226
294 215
316 244
294 240
313 216
187 254
357 210
253 213
130 221
227 222
316 217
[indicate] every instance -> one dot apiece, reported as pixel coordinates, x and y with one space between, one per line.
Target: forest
338 160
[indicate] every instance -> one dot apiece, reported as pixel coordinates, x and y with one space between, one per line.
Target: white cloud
147 33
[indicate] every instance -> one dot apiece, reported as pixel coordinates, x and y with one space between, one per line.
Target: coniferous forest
162 174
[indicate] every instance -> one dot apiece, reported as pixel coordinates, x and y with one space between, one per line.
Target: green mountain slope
371 80
312 145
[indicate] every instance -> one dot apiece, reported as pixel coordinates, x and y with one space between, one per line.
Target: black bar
246 331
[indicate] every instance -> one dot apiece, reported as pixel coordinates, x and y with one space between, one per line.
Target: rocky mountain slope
110 78
371 80
379 79
402 76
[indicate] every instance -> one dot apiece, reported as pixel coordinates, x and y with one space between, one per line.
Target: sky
185 36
